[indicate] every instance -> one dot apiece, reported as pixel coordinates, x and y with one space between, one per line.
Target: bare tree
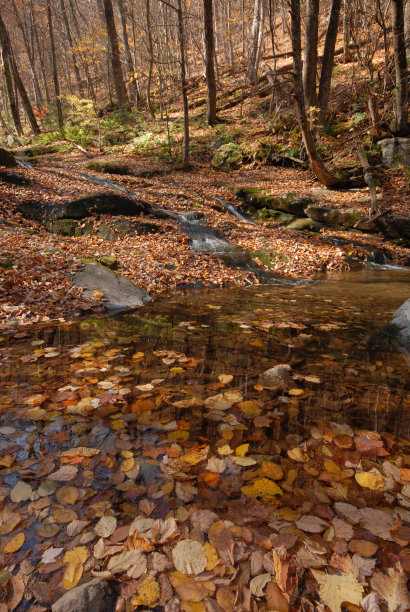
115 58
328 57
256 40
310 55
209 62
401 126
54 67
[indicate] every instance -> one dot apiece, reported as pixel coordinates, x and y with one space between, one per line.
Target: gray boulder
228 157
120 292
94 596
399 327
7 158
395 151
277 377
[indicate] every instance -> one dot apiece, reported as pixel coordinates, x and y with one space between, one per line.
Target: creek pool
158 392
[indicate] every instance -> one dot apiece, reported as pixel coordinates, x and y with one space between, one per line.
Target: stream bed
158 414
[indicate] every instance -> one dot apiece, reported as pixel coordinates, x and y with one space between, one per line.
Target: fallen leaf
335 589
189 557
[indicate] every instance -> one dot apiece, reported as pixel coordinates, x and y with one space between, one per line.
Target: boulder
345 218
256 199
119 291
277 377
305 225
110 166
13 179
394 226
395 151
7 158
99 203
65 227
399 327
94 596
228 157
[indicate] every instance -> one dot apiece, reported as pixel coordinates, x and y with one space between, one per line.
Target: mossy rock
65 227
109 261
36 150
278 216
108 166
254 199
6 262
345 218
227 157
7 158
305 225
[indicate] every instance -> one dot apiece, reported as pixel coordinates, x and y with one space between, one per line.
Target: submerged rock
7 158
94 596
399 327
395 151
276 377
119 291
228 157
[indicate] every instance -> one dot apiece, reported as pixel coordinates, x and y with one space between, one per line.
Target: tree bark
209 62
347 12
407 29
256 41
54 67
181 41
71 46
310 55
9 59
328 58
401 127
151 58
316 163
115 58
132 85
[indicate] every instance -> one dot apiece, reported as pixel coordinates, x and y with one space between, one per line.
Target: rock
307 225
399 327
293 206
277 215
256 199
36 150
7 158
99 203
6 262
394 226
228 157
277 377
109 262
13 179
395 151
65 227
109 166
118 290
94 596
345 218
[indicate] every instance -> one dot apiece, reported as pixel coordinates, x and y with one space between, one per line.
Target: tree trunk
310 55
181 41
328 58
71 46
90 86
316 163
209 62
256 41
10 90
9 59
132 85
347 12
151 59
115 58
401 127
54 67
407 29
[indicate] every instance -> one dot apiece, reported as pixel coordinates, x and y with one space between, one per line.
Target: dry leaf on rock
392 587
335 589
189 557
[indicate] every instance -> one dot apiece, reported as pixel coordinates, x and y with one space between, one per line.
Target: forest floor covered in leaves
37 287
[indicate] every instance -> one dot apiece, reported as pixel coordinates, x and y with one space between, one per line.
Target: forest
204 305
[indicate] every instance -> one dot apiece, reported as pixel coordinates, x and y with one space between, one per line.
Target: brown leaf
14 592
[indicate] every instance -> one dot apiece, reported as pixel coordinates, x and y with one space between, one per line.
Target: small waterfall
205 239
374 257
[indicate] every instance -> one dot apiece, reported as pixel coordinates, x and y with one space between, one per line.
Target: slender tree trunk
115 58
71 46
256 39
40 51
407 29
400 64
8 58
132 85
54 67
328 58
316 163
347 17
181 41
209 62
30 55
151 58
310 55
10 90
90 86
